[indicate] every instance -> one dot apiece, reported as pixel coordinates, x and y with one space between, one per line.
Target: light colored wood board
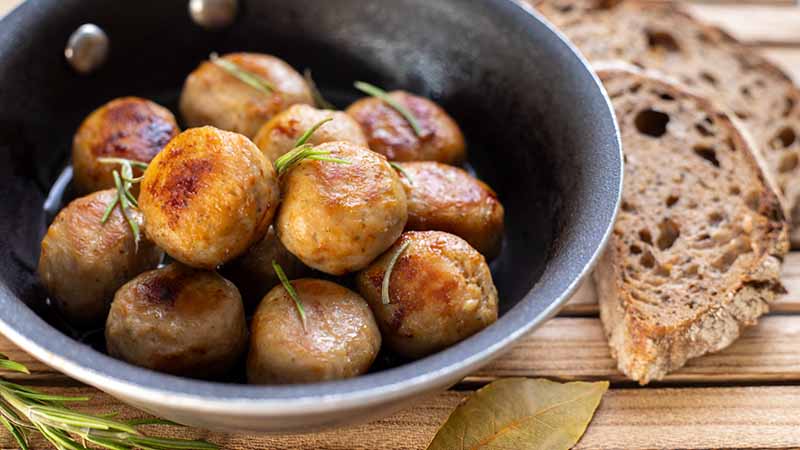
7 5
576 349
787 58
691 418
753 23
584 301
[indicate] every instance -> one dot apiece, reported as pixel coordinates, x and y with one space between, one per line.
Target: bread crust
646 350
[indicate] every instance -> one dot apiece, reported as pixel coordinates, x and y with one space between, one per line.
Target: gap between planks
719 417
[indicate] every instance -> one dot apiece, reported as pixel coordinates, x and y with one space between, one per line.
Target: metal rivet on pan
87 48
213 13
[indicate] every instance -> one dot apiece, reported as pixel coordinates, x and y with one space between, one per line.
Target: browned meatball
279 135
252 272
440 292
208 196
128 127
213 96
83 261
390 134
338 217
178 320
446 198
341 339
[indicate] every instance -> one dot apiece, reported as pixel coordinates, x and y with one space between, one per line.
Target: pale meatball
337 217
390 134
341 339
446 198
83 261
128 127
208 196
440 292
279 135
213 96
178 320
252 272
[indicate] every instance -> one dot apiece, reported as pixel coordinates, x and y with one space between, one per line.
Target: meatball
338 217
84 261
252 272
178 320
279 135
390 134
446 198
340 340
440 292
213 96
208 196
128 127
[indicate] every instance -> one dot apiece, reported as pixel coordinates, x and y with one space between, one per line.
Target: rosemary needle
319 100
379 93
402 171
243 75
123 181
290 289
304 150
388 274
307 135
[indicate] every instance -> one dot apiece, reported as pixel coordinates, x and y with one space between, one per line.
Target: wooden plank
787 58
754 24
584 301
720 417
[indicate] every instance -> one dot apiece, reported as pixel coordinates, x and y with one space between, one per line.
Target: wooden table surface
745 397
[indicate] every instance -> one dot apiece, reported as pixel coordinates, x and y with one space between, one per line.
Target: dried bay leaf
521 414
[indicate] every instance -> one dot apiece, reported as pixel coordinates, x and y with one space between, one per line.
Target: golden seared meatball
208 196
390 134
213 96
178 320
341 339
128 127
252 272
440 292
446 198
83 261
279 135
338 217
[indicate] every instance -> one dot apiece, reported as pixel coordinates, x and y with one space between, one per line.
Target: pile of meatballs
345 231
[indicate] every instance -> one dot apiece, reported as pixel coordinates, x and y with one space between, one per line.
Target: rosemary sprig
402 171
292 293
304 150
24 411
388 274
243 75
379 93
123 181
319 100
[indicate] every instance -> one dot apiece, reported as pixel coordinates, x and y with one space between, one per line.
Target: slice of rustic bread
663 37
696 250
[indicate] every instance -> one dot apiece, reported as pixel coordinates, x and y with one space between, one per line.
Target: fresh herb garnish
24 411
290 289
243 75
319 100
386 98
304 150
123 181
402 171
388 274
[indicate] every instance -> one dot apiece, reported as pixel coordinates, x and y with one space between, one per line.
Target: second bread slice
696 249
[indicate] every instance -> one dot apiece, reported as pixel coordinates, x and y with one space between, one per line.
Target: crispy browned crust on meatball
280 134
178 320
252 272
440 290
212 96
338 217
208 196
390 134
341 339
447 198
83 261
127 127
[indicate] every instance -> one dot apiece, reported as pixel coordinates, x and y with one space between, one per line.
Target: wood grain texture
753 23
